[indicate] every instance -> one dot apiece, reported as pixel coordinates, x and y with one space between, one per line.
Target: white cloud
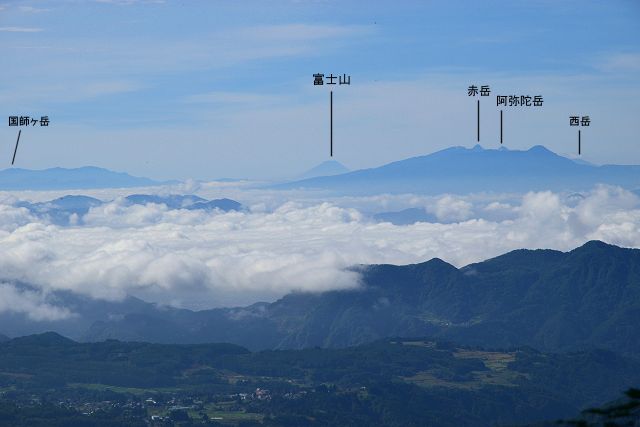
30 303
130 2
202 259
621 62
303 32
107 88
31 9
20 30
251 100
81 91
451 208
12 217
131 62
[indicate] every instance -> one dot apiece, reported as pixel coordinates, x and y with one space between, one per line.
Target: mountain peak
326 168
595 245
46 339
541 149
438 263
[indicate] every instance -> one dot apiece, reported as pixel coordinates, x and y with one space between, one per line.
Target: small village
160 409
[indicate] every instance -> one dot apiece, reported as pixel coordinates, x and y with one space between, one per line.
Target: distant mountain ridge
87 177
60 211
586 298
406 216
546 299
463 170
188 201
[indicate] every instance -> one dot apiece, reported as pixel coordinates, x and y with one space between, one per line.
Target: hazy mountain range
453 170
406 216
550 300
91 177
60 211
462 170
64 179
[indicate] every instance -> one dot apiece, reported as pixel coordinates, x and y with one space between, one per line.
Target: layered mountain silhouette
546 299
406 216
59 211
65 179
191 202
463 170
86 311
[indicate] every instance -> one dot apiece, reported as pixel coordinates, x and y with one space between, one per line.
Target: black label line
331 123
478 120
15 150
579 143
500 126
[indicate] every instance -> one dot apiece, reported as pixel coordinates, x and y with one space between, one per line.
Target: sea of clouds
202 259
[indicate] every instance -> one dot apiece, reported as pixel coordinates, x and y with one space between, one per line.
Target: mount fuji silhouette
326 168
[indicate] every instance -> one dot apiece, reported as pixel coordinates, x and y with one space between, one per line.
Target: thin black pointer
331 123
579 144
16 149
478 120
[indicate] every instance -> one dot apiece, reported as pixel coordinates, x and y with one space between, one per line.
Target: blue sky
208 89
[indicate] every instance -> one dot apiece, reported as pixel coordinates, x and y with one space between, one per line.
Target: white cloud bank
200 259
31 303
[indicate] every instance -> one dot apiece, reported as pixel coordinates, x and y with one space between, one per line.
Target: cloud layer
203 259
30 303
